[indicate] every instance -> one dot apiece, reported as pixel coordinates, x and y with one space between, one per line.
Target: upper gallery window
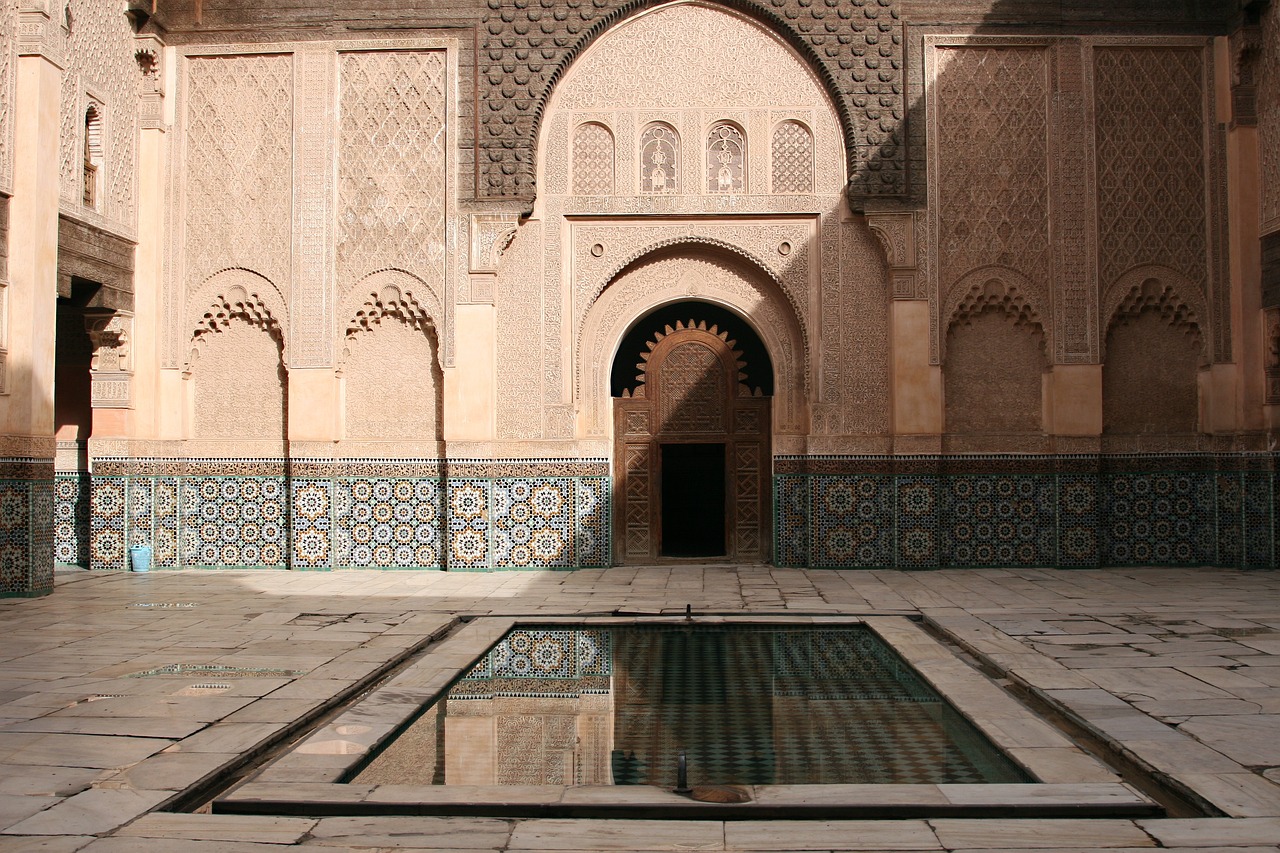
726 159
659 159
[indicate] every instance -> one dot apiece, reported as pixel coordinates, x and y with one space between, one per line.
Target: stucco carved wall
392 382
100 69
1269 119
318 179
1149 379
238 166
392 178
749 164
993 373
239 382
991 131
1032 137
855 48
8 58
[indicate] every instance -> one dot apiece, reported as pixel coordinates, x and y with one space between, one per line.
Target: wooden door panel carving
692 395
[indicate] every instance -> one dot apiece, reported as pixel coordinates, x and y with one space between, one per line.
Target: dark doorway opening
693 506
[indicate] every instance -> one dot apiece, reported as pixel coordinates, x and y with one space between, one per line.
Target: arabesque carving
1271 355
389 294
392 160
791 158
1269 118
665 279
99 57
1161 290
853 51
593 159
239 157
989 181
8 37
239 294
1151 113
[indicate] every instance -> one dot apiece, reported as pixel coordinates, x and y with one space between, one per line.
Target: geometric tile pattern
71 519
387 514
1158 519
234 522
1003 520
389 523
26 527
1027 511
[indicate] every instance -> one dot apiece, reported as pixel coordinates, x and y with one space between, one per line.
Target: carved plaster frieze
491 234
149 54
41 30
897 235
1271 354
111 370
783 247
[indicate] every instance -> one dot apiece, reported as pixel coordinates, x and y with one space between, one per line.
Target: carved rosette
111 371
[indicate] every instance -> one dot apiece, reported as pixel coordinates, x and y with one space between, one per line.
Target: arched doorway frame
710 274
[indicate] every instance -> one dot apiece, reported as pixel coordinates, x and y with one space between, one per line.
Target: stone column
148 275
26 405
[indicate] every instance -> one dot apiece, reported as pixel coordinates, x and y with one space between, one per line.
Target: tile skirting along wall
26 527
924 512
909 512
460 515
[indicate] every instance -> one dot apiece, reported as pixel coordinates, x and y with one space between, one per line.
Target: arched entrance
691 441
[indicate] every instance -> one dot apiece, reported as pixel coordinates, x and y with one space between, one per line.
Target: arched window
92 156
592 160
792 158
659 159
726 159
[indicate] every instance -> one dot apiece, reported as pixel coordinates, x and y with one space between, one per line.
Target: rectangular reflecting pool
821 717
747 704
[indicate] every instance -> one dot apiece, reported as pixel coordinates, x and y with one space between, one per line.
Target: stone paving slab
830 835
183 827
1193 651
1035 834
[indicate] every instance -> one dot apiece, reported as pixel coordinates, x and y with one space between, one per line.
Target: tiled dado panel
26 527
1013 512
387 514
71 519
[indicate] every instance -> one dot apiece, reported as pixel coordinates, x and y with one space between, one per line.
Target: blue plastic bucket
140 558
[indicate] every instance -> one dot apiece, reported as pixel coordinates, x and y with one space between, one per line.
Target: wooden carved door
692 451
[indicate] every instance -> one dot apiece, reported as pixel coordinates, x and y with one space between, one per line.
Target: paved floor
106 715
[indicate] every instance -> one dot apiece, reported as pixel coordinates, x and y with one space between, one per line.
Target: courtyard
129 701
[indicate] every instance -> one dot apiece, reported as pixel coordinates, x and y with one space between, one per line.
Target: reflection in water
749 704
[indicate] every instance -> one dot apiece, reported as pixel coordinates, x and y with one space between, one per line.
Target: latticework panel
692 392
392 165
592 160
857 42
726 160
991 138
8 45
239 166
100 58
1150 160
1269 118
792 158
